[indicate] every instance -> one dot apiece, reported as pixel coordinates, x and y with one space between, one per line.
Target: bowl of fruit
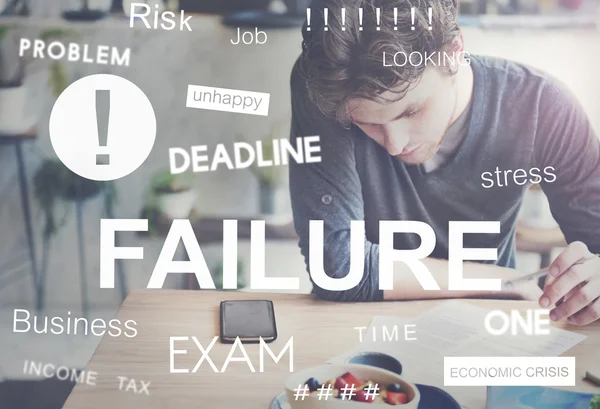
349 386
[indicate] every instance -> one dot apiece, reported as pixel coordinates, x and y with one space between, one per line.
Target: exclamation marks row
326 19
413 17
413 12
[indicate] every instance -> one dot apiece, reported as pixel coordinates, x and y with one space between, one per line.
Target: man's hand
573 288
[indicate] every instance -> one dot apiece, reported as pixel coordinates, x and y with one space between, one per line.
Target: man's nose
395 138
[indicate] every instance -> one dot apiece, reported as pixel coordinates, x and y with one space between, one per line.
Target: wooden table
321 331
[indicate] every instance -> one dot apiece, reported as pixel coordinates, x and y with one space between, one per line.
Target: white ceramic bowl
177 205
326 372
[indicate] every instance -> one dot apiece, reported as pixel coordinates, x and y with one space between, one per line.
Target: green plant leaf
217 275
56 33
3 31
57 78
54 185
271 176
5 28
165 182
49 174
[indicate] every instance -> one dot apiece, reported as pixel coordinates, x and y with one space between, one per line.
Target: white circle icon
102 127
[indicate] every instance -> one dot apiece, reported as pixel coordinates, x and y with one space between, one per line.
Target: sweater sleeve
566 142
329 190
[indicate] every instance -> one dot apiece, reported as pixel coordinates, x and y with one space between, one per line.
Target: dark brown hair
340 65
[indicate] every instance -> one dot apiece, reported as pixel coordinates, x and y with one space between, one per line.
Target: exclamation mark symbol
412 18
378 17
326 18
360 19
343 19
430 18
396 18
307 19
102 116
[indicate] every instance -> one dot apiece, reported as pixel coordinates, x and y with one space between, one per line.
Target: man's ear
458 44
458 50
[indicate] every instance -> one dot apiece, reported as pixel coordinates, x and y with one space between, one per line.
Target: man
422 141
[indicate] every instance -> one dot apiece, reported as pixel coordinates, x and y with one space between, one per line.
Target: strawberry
361 396
397 398
340 383
351 379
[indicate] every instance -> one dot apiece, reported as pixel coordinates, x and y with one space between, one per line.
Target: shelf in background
8 139
209 230
524 21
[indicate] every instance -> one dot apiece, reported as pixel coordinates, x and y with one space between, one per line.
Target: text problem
73 52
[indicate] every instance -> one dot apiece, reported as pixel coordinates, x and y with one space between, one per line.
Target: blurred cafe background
49 218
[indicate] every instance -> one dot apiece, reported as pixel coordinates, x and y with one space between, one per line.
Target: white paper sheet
461 326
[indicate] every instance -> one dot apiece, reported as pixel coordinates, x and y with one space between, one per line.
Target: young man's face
412 128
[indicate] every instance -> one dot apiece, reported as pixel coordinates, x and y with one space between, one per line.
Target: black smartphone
248 320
